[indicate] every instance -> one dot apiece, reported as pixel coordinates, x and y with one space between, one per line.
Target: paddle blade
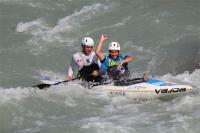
42 86
50 83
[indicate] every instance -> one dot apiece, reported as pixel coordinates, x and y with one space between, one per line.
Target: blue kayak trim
156 82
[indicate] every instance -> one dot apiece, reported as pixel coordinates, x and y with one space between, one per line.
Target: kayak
152 88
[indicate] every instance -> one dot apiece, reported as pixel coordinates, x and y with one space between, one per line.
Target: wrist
123 61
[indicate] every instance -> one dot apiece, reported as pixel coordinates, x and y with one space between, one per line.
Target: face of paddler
114 54
87 49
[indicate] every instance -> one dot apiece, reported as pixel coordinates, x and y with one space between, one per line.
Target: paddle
43 85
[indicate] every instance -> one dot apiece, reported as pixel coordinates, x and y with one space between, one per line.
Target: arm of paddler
99 47
70 70
128 58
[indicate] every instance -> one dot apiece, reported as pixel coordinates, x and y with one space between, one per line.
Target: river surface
38 37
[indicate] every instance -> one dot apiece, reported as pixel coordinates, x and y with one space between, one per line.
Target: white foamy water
65 29
37 39
71 107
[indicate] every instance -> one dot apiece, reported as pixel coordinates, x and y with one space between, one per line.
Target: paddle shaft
42 86
66 81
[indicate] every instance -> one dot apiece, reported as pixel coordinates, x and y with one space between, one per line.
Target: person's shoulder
105 54
75 55
106 57
123 56
93 53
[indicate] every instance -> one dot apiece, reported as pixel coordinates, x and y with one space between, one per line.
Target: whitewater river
38 37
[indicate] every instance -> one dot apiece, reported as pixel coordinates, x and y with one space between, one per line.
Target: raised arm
99 47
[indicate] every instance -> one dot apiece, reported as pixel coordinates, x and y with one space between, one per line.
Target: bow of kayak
149 89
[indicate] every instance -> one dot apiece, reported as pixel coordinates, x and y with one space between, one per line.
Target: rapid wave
44 36
38 38
75 88
175 58
32 110
185 78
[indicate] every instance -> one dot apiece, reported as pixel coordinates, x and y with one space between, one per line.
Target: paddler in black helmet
87 62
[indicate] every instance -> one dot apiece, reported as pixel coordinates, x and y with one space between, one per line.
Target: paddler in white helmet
87 62
114 63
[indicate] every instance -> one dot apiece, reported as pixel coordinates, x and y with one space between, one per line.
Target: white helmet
87 41
114 46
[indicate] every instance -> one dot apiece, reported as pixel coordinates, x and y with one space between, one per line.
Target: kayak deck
149 89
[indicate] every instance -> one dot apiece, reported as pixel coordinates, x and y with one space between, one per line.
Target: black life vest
86 72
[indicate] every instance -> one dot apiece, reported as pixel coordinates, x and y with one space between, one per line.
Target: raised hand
103 37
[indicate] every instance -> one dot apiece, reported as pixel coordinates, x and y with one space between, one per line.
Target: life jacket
79 60
120 74
110 65
86 72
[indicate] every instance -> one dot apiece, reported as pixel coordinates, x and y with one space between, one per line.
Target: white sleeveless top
79 60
